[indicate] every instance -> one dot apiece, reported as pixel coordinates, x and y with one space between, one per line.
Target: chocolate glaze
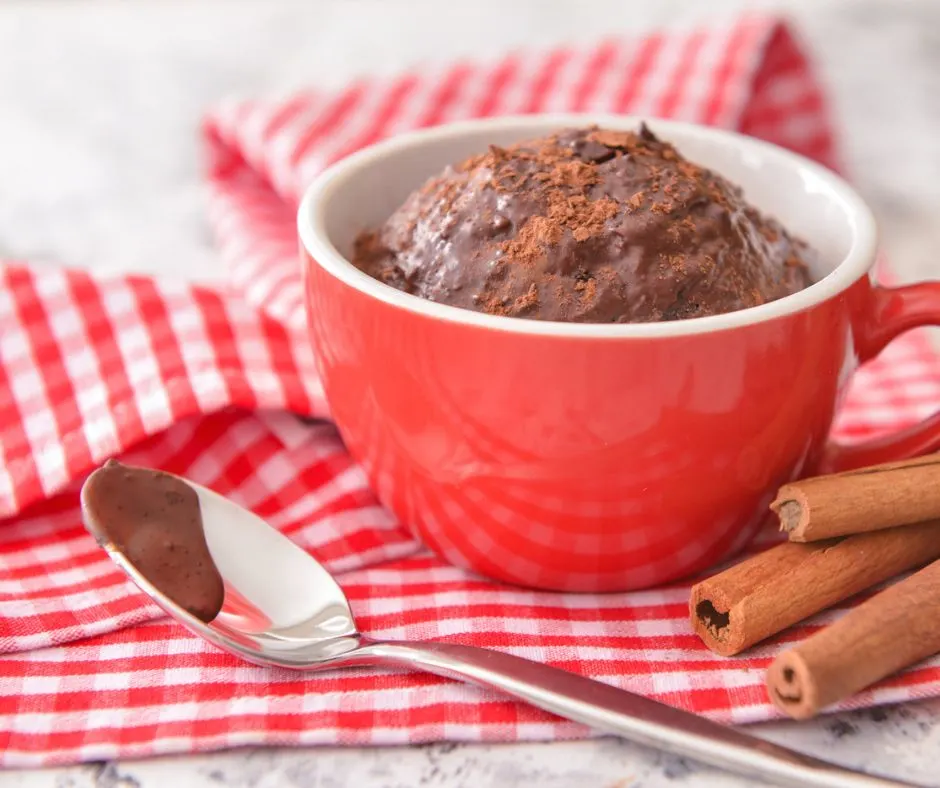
585 225
154 519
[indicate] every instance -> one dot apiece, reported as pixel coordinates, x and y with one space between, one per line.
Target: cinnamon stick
868 499
885 634
764 595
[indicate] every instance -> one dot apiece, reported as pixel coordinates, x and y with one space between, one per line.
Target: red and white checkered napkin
202 383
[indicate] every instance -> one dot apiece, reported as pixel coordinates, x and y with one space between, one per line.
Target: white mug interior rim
311 221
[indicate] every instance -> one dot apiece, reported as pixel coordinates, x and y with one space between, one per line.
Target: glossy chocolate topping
154 519
585 225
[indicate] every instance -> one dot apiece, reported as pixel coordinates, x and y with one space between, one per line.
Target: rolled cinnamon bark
868 499
890 631
764 595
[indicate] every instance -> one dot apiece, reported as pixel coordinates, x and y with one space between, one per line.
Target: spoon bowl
282 608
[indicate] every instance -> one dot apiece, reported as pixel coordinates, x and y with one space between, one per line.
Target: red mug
586 457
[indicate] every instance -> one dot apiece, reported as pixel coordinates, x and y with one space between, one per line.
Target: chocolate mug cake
585 225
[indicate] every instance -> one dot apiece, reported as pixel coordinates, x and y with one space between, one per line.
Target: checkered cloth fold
205 384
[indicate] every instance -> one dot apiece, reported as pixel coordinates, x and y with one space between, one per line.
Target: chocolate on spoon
154 519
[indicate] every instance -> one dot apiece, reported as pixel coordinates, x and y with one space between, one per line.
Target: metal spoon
283 609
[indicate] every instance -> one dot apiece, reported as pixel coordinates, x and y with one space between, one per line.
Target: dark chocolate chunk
647 135
592 151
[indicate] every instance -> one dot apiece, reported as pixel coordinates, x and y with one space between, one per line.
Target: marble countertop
100 167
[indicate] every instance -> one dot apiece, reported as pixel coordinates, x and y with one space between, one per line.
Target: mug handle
889 312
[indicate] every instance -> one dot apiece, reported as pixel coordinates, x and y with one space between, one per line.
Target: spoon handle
615 711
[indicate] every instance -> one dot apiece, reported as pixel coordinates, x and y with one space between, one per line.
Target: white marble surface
99 168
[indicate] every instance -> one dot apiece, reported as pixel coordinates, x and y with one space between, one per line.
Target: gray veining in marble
99 166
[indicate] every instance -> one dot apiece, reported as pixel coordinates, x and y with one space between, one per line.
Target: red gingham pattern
205 384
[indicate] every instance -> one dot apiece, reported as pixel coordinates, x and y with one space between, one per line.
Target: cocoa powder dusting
588 225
